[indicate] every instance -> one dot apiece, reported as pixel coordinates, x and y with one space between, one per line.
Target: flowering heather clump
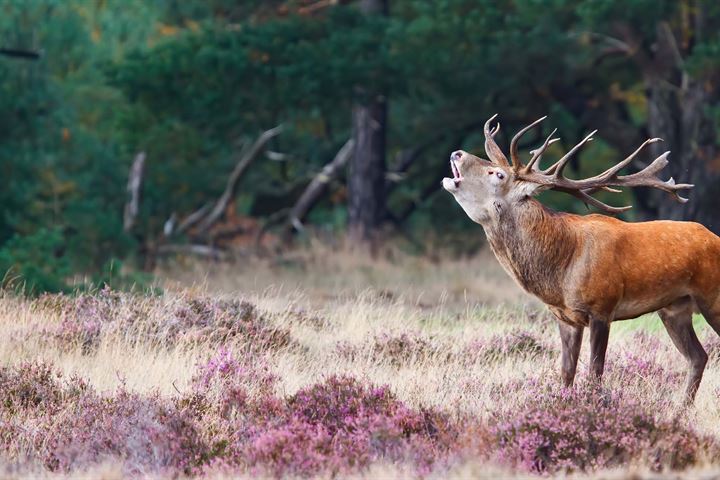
647 360
65 425
227 381
82 319
165 321
231 420
147 433
231 415
341 424
347 350
586 429
519 343
396 349
401 349
33 386
337 425
645 366
219 320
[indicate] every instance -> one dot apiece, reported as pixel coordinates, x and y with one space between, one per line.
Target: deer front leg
599 333
571 340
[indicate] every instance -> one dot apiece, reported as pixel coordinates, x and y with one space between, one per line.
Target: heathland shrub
646 362
34 387
166 321
232 419
65 425
402 348
337 425
341 424
147 433
586 428
515 344
396 349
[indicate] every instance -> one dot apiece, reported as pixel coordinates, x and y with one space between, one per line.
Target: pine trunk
366 180
678 116
366 209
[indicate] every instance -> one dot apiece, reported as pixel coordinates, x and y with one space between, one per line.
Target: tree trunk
316 189
678 118
677 114
366 181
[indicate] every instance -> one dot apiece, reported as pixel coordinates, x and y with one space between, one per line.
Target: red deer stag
591 270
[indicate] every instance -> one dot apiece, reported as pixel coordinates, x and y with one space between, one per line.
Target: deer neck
534 245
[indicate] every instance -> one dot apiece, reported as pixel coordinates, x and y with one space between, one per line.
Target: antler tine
491 148
583 189
537 153
612 171
486 128
553 177
514 155
559 166
647 177
585 196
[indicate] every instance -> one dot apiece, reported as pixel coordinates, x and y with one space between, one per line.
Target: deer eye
500 175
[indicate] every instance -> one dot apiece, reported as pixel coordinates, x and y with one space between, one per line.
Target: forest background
134 131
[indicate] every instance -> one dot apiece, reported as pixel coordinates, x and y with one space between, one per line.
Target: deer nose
457 155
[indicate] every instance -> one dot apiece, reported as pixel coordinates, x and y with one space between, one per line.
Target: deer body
592 270
582 264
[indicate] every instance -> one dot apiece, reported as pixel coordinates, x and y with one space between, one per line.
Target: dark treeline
131 130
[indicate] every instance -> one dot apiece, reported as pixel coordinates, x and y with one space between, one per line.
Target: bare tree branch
200 250
319 185
613 43
18 53
247 156
315 6
134 191
189 221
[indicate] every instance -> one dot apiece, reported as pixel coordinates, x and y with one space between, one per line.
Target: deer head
484 188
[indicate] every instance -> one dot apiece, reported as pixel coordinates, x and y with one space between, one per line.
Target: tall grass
326 363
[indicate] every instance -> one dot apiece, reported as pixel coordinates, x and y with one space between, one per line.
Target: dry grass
408 323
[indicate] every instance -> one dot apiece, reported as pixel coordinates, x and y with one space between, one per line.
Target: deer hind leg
677 318
571 340
711 314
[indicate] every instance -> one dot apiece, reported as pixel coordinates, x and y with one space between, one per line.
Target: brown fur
592 270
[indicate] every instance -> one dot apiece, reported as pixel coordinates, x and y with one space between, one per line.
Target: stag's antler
491 148
583 189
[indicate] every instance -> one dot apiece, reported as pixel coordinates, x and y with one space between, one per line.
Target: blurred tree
192 83
671 47
60 153
366 181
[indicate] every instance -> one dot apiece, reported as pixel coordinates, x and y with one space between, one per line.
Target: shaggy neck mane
534 244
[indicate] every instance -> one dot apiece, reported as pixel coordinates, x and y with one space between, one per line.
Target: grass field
323 363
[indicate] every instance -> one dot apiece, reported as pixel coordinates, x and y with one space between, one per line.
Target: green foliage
59 151
35 263
189 82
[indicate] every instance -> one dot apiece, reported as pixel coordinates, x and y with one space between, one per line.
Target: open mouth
456 173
